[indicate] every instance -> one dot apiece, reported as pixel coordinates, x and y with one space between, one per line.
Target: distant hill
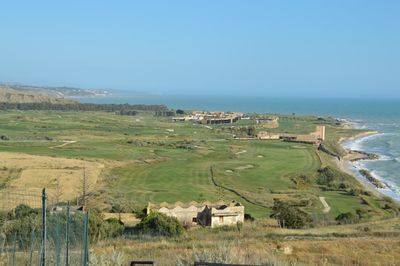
14 93
11 95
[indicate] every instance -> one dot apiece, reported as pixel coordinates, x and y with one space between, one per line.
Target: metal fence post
85 255
14 249
31 248
67 238
86 243
44 228
58 241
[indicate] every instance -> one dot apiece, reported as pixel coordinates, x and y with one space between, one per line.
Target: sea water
375 114
386 144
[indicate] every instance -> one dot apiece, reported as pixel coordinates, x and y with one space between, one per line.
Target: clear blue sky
278 48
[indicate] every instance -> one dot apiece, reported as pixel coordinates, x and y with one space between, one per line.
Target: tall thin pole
14 248
67 237
84 235
86 240
84 187
44 228
31 249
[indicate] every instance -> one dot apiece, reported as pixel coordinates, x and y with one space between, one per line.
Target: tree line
120 109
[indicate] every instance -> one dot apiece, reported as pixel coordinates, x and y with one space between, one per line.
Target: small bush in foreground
160 224
114 227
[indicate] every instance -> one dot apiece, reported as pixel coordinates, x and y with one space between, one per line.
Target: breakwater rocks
354 155
363 155
376 182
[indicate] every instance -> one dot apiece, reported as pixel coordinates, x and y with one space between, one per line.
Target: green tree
289 216
160 224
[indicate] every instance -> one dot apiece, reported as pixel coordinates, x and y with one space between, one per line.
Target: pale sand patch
327 208
240 152
244 167
67 142
39 172
298 147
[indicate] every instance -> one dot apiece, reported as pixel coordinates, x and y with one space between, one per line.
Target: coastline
348 163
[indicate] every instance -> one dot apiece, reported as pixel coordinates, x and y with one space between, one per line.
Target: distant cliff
14 95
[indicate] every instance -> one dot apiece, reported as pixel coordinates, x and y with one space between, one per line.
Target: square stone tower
320 132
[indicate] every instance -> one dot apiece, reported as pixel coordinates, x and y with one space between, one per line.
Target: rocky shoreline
355 155
351 156
376 182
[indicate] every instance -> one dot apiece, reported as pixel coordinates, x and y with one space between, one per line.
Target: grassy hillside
154 159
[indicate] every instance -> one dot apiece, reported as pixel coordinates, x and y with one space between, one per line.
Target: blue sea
375 114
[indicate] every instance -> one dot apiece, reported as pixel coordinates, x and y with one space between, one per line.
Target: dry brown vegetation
31 173
374 243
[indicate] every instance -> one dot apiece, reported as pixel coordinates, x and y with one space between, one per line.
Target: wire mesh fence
36 230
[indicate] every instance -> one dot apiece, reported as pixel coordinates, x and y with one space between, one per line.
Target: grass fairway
185 175
158 160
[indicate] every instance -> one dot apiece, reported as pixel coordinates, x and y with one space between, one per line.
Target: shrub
140 214
4 137
160 224
290 216
113 227
23 210
347 218
180 112
326 176
354 192
342 186
248 217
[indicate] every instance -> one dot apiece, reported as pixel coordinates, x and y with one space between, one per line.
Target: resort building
205 214
210 118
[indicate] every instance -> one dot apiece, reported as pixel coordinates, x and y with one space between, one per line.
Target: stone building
319 133
313 138
264 135
205 214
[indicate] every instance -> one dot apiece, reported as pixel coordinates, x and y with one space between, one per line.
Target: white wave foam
391 189
385 158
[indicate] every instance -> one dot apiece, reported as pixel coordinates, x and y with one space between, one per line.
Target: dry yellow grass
259 244
37 172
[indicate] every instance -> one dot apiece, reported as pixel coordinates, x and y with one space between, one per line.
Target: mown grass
160 160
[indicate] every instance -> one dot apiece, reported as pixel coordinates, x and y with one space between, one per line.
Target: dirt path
64 144
327 208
